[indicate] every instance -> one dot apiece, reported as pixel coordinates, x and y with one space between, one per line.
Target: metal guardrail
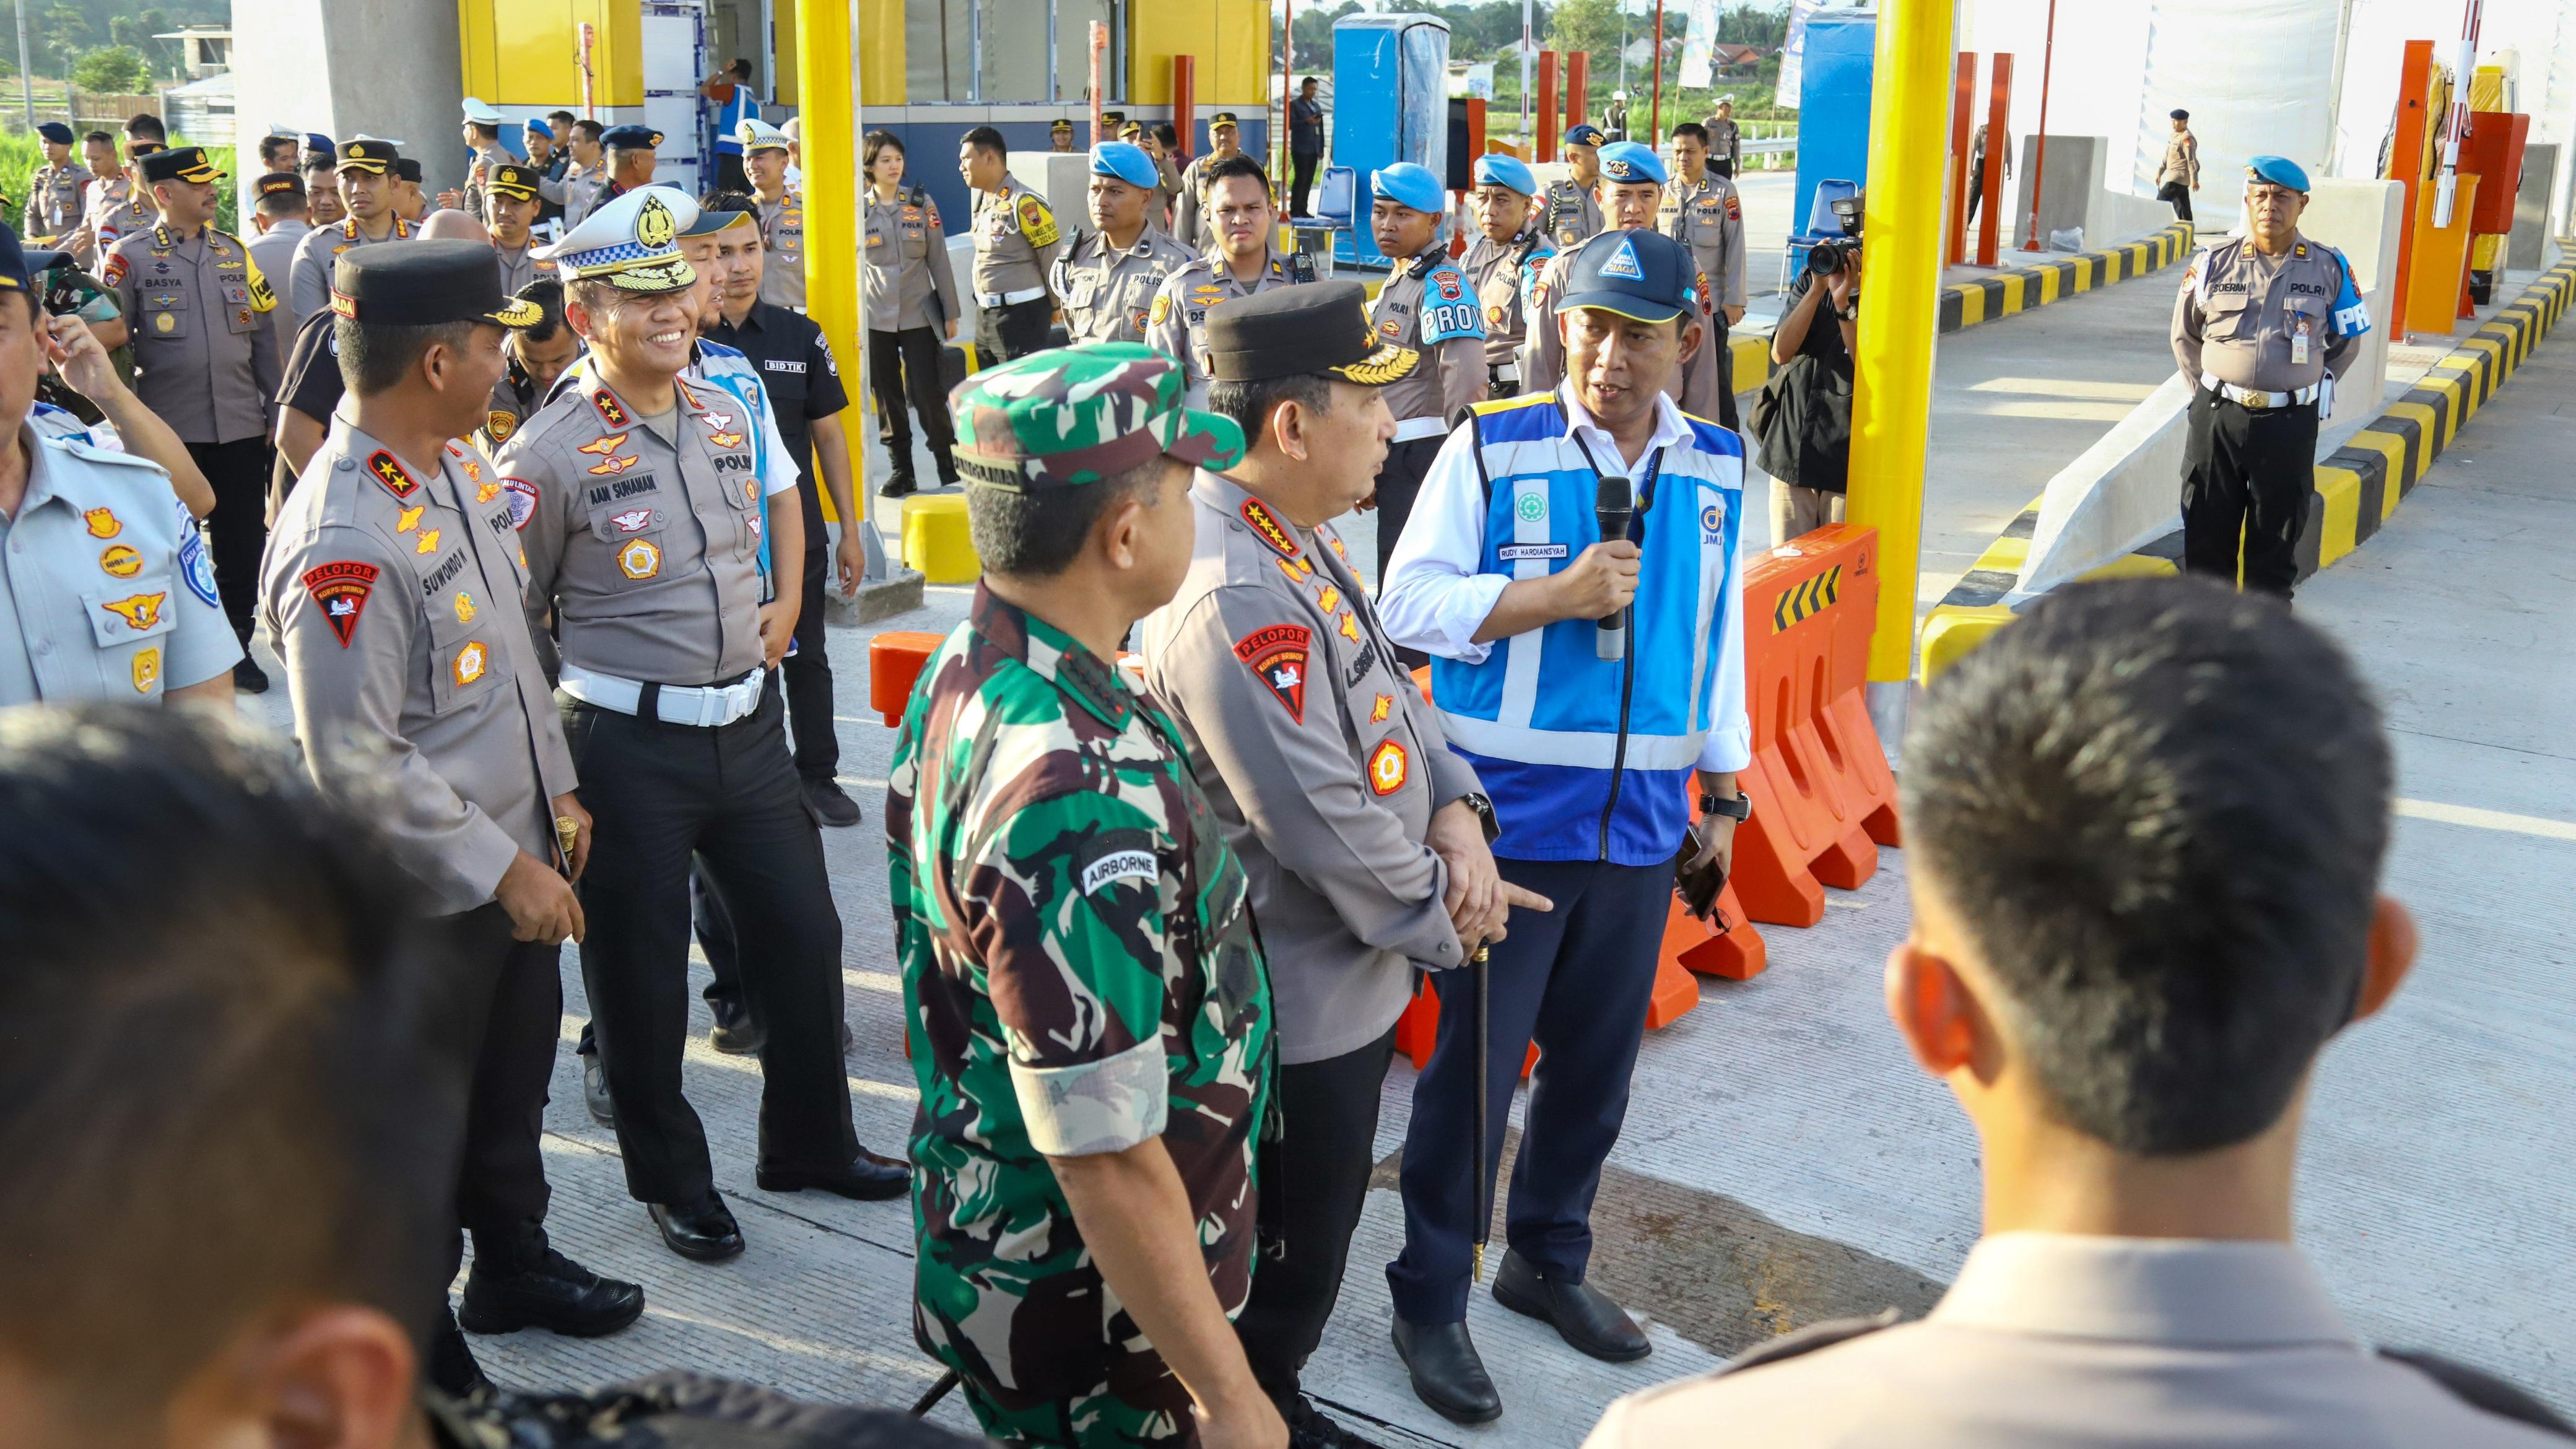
1769 146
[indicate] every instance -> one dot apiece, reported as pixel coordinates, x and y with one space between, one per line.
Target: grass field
21 154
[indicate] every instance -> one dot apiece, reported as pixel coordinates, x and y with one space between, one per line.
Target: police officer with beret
630 154
1242 263
1631 190
1015 242
509 216
1190 226
2263 326
394 592
1426 304
206 360
54 201
1363 834
1108 274
2178 175
643 527
1503 264
106 591
1567 210
367 186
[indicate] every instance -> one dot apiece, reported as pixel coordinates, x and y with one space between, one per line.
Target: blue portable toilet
1390 104
1833 104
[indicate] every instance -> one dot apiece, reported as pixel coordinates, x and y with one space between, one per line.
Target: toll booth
1390 104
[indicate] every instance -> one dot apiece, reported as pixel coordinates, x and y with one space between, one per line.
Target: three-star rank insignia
103 523
473 659
390 473
1384 707
1265 526
1387 767
1277 657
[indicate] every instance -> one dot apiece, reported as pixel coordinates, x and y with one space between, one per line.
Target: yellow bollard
936 540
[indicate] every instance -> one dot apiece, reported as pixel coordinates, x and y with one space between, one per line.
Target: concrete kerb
2357 487
2053 279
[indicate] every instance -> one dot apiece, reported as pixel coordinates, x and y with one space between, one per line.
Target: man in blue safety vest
1587 660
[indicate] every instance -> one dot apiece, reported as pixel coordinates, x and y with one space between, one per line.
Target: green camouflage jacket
1080 974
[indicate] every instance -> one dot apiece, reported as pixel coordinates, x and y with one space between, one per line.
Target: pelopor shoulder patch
1277 656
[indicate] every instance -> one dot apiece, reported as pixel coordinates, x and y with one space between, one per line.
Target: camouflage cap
1075 415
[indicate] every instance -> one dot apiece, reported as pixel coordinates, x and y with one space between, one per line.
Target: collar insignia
391 474
1266 528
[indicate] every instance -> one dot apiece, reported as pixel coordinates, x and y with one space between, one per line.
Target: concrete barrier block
879 599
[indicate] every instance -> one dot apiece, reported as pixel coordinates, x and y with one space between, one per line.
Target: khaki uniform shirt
1569 213
2052 1341
1015 242
1176 325
205 351
309 290
1164 209
1321 759
1108 294
2182 161
2261 322
520 266
106 589
910 283
116 210
395 596
54 202
1709 220
478 174
782 246
1504 277
514 400
577 191
646 549
1428 305
273 252
1695 389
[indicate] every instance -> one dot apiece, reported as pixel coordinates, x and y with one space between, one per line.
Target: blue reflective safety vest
1587 758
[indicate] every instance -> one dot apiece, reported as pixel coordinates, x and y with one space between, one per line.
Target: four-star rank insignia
1387 767
1277 657
390 473
341 589
1265 527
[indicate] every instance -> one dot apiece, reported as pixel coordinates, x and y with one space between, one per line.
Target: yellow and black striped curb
1809 598
2036 284
2357 487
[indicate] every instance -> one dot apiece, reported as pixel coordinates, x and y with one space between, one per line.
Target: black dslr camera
1825 258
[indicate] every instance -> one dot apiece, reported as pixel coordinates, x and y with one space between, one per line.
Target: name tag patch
1513 552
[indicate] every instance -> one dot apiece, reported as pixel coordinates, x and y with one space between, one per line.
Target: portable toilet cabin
1390 104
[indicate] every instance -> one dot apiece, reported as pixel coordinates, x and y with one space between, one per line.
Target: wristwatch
1484 809
1737 807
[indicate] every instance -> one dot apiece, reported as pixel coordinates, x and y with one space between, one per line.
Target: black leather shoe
829 804
248 677
452 1369
705 1232
1447 1374
1582 1315
525 1283
594 1091
868 1178
735 1033
1310 1428
896 488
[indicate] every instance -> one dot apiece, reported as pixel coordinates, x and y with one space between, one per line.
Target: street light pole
26 76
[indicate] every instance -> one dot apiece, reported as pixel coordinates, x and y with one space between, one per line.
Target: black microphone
1612 506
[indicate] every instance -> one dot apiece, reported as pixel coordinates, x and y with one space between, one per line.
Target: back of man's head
214 1107
2159 809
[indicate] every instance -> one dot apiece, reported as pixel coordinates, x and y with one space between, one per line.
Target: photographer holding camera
1802 421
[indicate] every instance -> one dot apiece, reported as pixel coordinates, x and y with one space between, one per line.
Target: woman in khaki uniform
912 308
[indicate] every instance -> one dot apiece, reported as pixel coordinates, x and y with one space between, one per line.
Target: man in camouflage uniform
1089 1014
1239 265
1109 273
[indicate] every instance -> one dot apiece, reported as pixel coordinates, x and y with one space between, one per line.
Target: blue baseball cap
1584 133
1627 163
2279 170
1124 161
1408 184
1500 170
1640 274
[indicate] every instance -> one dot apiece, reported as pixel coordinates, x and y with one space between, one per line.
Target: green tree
1586 25
116 70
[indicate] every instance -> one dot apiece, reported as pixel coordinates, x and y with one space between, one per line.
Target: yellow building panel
528 52
782 60
881 54
1237 72
1231 39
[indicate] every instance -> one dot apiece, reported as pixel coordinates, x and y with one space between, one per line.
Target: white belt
1009 299
2249 397
1507 372
1412 428
706 708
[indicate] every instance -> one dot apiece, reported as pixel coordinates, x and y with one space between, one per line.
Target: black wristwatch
1484 809
1737 807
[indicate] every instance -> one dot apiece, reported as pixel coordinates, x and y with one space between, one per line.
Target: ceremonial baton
1484 1058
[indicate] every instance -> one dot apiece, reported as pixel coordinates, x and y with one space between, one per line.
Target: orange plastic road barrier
895 659
1823 798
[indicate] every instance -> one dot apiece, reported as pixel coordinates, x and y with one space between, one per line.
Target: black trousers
1399 482
1722 356
1301 167
507 1010
906 364
808 674
237 531
1722 166
1976 188
660 793
1013 331
2178 194
1313 1182
2247 472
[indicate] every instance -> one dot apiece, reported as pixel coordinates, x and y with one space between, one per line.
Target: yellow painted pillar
1909 131
826 85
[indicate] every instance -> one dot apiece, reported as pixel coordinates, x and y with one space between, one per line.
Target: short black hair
483 132
987 140
1241 163
1250 404
1035 535
376 358
1308 81
1692 129
97 138
283 203
1166 133
548 294
730 200
567 117
146 127
235 1100
270 146
740 65
590 127
2160 807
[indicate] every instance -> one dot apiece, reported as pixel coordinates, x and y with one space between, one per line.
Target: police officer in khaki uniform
1503 265
1015 243
206 360
54 202
585 173
119 205
1427 303
1189 223
912 309
538 355
1060 136
1701 211
367 188
2263 326
782 215
1108 274
1362 834
394 594
510 205
1632 186
643 537
1567 210
482 133
2178 176
1241 264
1725 139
